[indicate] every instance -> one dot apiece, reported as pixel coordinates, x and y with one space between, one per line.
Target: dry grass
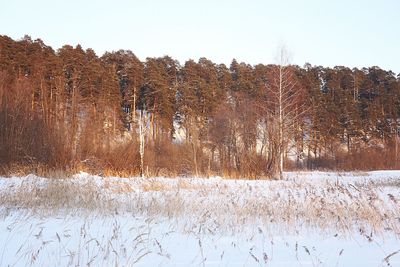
221 205
56 196
21 170
204 207
155 186
388 183
78 245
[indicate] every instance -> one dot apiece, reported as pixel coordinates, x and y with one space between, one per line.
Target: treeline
70 109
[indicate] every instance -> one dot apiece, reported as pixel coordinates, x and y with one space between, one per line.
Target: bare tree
284 108
142 140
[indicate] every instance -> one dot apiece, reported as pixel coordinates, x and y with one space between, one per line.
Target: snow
308 219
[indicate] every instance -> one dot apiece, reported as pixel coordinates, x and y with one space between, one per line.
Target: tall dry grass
200 208
220 205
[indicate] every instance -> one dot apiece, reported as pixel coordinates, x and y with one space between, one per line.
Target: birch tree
284 108
142 123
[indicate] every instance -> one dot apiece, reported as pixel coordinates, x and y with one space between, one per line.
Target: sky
352 33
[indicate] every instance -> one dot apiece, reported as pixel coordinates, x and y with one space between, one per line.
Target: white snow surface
307 219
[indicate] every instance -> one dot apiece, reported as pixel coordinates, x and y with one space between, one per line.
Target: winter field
308 219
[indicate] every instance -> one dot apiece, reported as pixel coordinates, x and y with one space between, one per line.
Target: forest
72 110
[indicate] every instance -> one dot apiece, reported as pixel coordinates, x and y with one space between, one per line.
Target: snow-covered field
309 219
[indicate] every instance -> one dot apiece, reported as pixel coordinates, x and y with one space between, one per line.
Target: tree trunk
141 142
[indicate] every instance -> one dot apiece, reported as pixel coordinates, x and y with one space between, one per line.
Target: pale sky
352 33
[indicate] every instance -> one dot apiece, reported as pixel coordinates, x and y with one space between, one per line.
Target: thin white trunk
141 142
133 111
195 159
281 143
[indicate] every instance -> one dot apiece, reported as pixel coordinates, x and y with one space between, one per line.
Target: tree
129 70
158 94
142 138
61 108
284 107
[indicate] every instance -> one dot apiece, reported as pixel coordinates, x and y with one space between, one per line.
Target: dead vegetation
218 204
196 208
